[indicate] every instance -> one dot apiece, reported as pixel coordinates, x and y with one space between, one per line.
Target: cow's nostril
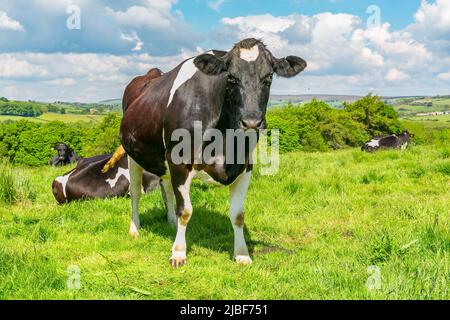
251 124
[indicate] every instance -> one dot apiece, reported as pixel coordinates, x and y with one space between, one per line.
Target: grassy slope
314 228
441 120
439 104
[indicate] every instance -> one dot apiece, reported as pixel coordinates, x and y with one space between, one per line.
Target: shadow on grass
208 229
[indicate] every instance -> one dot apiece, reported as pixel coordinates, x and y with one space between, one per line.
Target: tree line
20 108
314 126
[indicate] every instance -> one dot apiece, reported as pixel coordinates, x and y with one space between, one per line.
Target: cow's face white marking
120 172
249 54
63 180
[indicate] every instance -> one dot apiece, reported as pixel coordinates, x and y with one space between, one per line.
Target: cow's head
64 151
248 69
406 133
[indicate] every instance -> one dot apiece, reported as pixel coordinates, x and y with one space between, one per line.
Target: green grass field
440 120
313 229
55 116
408 110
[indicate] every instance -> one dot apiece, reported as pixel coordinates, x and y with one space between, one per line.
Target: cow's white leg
238 190
184 213
169 198
135 191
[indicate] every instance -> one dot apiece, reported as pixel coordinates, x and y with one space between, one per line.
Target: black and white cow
87 181
65 155
222 91
394 141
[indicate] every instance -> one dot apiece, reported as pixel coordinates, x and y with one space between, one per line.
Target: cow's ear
289 66
210 64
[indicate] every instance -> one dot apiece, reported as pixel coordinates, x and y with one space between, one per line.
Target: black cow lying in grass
395 141
87 181
65 155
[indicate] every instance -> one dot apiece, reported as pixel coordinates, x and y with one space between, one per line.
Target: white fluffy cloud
75 76
444 76
341 49
13 67
396 75
154 14
8 23
432 25
344 56
134 38
435 15
161 28
216 4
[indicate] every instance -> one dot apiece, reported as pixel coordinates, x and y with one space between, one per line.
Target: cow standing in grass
220 90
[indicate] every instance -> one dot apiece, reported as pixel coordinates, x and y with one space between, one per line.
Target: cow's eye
267 81
233 80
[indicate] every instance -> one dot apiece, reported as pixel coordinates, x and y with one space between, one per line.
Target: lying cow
65 155
399 141
222 91
87 181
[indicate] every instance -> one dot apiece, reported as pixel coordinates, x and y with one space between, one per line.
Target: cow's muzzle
255 124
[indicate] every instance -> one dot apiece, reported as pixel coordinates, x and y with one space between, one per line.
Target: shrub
377 117
13 188
107 136
30 144
316 127
20 108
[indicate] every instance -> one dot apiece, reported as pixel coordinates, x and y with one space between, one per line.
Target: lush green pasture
55 116
314 229
406 108
442 120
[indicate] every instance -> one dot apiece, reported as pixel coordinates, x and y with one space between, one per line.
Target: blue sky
406 52
399 12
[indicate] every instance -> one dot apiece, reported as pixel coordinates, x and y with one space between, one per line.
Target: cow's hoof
243 260
177 262
134 232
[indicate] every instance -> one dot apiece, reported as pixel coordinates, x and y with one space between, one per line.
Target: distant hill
279 98
113 102
309 97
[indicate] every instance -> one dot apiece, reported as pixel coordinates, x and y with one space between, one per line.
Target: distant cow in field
65 155
395 141
224 91
87 181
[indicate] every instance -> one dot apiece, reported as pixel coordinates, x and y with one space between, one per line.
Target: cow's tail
118 154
